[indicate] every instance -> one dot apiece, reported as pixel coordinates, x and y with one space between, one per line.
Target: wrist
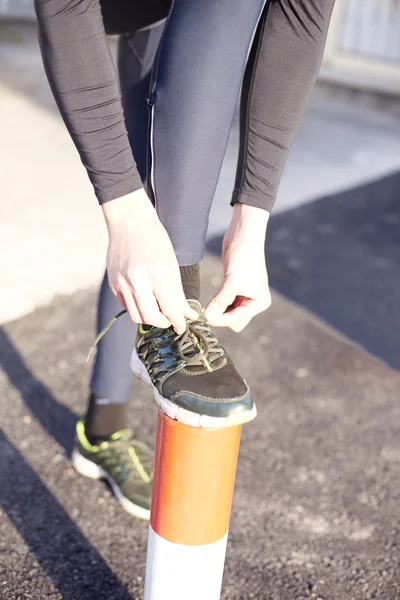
249 219
247 213
133 205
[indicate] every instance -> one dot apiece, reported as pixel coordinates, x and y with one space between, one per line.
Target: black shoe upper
193 370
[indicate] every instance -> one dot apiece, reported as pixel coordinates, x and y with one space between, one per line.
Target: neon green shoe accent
81 435
141 330
138 465
115 436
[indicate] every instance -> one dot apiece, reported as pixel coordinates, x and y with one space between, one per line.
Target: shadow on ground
58 420
74 566
339 257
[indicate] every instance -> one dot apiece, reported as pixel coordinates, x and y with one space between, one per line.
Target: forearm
82 77
282 68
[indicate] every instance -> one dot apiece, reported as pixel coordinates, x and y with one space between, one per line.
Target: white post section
182 572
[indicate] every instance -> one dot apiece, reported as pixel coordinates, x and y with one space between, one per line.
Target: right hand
141 264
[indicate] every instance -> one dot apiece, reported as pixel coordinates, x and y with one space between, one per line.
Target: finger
234 317
218 305
145 304
239 326
182 302
129 303
172 313
176 318
254 307
188 311
121 299
149 310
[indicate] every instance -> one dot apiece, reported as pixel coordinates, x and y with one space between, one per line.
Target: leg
112 379
194 95
283 65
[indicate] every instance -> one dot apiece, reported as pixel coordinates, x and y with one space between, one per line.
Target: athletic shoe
124 462
194 380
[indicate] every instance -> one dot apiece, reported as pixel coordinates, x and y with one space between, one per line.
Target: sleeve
281 72
82 76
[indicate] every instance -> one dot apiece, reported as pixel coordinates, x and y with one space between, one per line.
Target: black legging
193 98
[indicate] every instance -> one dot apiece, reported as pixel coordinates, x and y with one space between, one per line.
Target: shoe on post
194 380
124 462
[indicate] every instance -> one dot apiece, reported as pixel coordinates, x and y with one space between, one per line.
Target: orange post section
193 481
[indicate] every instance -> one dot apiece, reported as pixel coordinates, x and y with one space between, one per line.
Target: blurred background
316 512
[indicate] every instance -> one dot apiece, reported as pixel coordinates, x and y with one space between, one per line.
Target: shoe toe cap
220 407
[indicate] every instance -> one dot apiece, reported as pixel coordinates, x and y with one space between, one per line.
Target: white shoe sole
89 469
182 414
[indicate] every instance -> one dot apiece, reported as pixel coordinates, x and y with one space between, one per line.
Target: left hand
245 291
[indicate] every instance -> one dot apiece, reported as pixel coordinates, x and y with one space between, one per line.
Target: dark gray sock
191 281
104 418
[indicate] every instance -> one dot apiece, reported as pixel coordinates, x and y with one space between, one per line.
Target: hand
245 291
142 268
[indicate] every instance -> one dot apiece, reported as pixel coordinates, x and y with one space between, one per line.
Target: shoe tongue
195 304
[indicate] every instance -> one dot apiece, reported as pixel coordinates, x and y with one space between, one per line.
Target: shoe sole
183 415
89 469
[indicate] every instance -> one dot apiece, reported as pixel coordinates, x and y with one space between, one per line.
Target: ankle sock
190 276
103 418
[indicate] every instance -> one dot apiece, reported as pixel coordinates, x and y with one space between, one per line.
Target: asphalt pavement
316 509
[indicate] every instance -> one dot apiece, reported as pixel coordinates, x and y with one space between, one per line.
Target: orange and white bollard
193 486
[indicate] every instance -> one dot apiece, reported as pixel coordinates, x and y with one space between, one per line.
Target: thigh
126 16
196 84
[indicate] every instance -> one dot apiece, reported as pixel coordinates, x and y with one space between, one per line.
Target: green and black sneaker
194 380
124 462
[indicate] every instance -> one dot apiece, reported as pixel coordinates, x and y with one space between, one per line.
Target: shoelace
204 342
103 332
197 346
129 450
